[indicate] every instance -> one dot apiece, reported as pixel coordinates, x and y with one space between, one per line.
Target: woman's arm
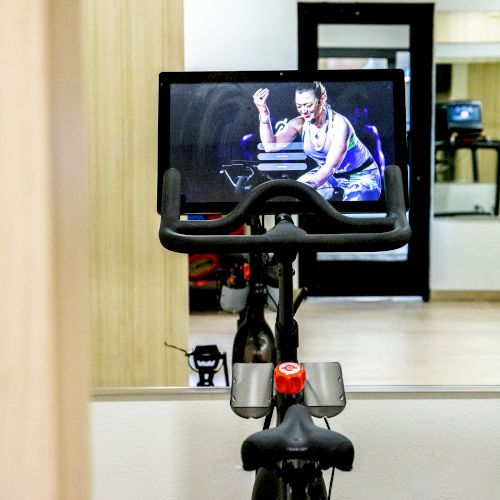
272 142
336 154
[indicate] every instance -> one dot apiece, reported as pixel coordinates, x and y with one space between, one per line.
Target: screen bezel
395 76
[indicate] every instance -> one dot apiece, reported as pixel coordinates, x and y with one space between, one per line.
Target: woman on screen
346 170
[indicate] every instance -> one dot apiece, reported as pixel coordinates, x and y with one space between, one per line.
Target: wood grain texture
28 377
44 361
483 85
139 290
466 27
482 81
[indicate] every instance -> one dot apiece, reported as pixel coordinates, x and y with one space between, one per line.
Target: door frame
411 277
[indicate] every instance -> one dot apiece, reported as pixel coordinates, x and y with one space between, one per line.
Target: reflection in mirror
387 342
467 151
467 163
378 46
382 342
343 46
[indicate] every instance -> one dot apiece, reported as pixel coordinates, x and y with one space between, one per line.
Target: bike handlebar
337 232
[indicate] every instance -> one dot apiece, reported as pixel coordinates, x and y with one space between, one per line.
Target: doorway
367 36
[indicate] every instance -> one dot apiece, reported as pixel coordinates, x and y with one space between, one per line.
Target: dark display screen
337 135
465 116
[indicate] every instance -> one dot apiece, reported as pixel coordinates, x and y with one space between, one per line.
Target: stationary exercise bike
289 459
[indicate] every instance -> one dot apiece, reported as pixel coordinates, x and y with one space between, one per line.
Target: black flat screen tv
210 129
465 116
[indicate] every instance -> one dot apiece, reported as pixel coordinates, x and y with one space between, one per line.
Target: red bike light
289 378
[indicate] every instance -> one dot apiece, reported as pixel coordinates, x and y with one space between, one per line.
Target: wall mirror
139 293
387 342
467 156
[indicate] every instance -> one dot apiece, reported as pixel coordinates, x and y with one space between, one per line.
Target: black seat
297 438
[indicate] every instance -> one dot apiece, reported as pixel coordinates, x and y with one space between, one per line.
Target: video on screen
228 137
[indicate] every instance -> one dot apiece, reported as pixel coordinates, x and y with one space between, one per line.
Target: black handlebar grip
394 191
338 232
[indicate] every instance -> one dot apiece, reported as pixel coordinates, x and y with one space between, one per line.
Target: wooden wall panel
139 290
483 84
27 375
482 80
479 81
464 27
44 362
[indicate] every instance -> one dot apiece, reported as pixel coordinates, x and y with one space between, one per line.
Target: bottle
234 292
254 340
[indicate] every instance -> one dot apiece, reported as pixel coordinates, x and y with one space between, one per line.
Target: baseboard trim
466 295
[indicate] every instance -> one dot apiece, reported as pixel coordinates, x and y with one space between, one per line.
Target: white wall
432 446
465 253
262 34
240 35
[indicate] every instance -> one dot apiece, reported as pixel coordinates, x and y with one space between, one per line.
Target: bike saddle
297 438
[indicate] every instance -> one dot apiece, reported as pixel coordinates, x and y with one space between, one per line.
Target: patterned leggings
365 185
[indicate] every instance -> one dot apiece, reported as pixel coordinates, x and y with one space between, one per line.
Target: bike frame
294 473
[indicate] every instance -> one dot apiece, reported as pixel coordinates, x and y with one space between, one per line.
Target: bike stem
256 283
286 335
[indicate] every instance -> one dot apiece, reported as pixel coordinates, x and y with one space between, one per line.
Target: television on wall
465 116
462 117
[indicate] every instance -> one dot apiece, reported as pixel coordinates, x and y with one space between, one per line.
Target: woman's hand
259 99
